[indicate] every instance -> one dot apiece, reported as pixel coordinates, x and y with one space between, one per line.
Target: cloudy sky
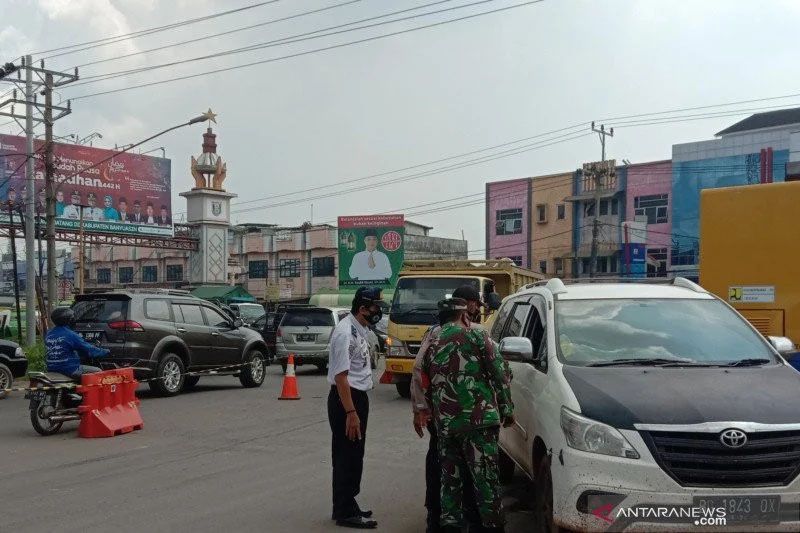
379 106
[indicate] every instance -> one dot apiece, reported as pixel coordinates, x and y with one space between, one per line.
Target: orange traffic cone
290 391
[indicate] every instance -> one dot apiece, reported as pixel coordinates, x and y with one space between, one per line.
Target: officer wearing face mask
350 377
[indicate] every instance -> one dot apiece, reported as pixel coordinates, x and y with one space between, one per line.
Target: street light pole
30 212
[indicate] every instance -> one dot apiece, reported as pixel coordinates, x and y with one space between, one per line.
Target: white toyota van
643 407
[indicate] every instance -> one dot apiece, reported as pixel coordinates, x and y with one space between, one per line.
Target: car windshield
416 299
99 310
308 317
665 331
251 312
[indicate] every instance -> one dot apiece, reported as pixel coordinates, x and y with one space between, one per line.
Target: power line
302 37
147 31
307 52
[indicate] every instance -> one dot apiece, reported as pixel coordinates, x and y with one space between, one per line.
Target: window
103 275
516 326
500 322
174 272
258 269
216 319
558 265
157 310
308 318
615 207
656 262
588 209
508 221
585 265
603 207
541 213
150 274
561 211
602 264
125 274
191 315
322 266
543 267
289 268
653 206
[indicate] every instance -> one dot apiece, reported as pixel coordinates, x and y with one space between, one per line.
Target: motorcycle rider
64 347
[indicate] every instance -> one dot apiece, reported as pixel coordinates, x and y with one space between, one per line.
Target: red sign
128 193
371 221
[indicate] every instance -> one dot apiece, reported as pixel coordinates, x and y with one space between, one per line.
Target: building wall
503 195
650 179
552 239
725 162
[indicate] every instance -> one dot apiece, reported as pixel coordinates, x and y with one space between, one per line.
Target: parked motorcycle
51 407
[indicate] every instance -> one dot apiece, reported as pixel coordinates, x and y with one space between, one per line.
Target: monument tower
208 212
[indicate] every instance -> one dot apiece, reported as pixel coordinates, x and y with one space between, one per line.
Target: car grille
701 460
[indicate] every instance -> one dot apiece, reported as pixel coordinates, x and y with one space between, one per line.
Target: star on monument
210 116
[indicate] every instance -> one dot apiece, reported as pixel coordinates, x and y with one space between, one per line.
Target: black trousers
347 455
433 486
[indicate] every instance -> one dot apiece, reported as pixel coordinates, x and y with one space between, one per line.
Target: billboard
370 250
128 194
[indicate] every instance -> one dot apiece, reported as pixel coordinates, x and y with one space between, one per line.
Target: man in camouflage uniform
470 396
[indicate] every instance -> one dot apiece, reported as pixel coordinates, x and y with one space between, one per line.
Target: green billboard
370 250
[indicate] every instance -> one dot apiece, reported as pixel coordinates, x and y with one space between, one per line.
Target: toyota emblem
733 438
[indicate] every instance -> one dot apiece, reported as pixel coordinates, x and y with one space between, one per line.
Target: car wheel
543 499
252 375
169 376
403 388
6 380
190 382
506 467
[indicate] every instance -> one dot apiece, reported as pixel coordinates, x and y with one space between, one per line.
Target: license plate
744 509
90 336
306 337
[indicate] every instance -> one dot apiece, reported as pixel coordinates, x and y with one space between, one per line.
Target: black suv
166 333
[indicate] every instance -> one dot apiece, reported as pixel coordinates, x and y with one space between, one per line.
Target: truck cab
420 287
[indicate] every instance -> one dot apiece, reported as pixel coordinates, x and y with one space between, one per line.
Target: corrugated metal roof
769 119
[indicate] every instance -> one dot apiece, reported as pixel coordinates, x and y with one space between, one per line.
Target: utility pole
49 195
48 79
597 176
30 212
13 237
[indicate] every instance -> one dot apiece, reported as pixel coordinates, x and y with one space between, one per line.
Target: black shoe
365 514
357 522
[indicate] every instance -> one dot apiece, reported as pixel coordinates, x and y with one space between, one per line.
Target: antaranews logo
624 516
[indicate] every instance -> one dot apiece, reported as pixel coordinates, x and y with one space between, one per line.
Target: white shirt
360 268
93 213
71 211
350 352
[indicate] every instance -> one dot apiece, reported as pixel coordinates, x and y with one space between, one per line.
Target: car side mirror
237 323
517 349
782 345
493 301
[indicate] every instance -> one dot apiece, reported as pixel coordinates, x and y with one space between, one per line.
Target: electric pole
598 173
35 112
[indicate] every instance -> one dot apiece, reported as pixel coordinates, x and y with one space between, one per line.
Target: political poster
370 250
128 194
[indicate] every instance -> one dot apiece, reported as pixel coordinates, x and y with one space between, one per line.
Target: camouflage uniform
470 396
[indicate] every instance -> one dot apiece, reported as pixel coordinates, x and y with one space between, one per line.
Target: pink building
648 200
508 207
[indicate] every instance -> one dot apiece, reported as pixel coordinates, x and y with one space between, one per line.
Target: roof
223 292
418 224
769 119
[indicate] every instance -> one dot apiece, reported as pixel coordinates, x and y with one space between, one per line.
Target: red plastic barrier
110 406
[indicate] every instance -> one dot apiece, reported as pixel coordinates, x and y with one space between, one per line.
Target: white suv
648 406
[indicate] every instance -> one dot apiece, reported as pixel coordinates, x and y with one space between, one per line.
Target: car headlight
395 348
591 436
18 353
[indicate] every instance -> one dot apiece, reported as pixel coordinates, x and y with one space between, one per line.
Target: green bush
35 355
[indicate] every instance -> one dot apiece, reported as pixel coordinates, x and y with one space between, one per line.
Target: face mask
374 318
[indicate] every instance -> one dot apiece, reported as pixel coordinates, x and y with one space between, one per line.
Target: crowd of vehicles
629 395
420 286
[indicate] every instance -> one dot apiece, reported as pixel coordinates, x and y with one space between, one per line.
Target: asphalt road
218 458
